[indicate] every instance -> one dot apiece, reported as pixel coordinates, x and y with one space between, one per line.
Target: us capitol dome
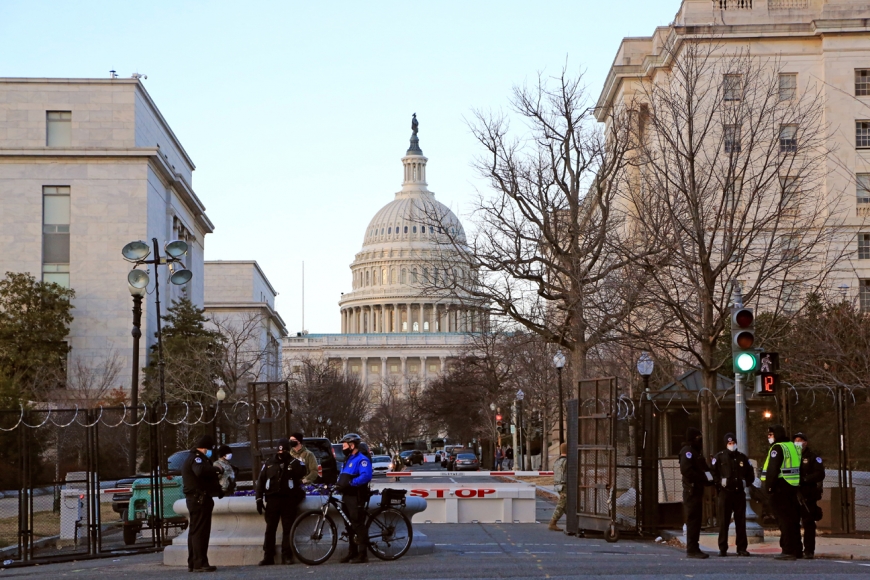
395 325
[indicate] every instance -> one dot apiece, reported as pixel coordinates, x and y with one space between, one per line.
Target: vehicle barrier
455 503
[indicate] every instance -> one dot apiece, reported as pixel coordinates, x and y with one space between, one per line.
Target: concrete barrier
237 529
456 503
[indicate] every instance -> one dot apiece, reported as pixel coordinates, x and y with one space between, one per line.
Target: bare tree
324 401
730 184
395 418
244 352
549 251
94 382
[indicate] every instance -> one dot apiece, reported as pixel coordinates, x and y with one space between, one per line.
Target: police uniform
696 475
201 481
353 482
280 484
732 472
812 474
781 477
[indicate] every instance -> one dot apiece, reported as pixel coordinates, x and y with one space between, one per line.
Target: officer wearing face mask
780 478
696 475
200 479
812 476
732 472
280 485
353 484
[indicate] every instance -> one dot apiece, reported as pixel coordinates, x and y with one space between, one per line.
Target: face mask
771 440
208 453
799 445
347 451
732 447
229 456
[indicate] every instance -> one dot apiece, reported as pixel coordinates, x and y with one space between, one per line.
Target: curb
421 545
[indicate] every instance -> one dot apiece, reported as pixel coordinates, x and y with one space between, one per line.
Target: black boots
351 555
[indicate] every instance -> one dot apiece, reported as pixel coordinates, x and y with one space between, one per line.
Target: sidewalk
833 548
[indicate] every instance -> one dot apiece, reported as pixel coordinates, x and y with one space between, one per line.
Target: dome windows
414 229
406 229
389 231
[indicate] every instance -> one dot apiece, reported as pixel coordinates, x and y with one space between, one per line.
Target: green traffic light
746 362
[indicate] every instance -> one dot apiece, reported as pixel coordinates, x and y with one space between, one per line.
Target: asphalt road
488 551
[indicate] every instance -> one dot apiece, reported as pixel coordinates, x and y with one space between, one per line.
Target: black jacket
734 468
278 473
812 475
694 468
199 475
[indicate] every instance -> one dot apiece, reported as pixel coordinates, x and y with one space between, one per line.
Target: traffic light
743 340
499 425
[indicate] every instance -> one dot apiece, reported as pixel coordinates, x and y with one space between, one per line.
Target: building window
433 368
862 134
375 368
368 281
416 327
404 326
414 229
389 230
385 277
354 368
788 138
862 181
787 87
789 201
414 275
393 275
426 326
790 246
864 246
58 128
406 229
732 193
55 234
732 138
864 295
413 368
733 87
791 296
404 277
862 82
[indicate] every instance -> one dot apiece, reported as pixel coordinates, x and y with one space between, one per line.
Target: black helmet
351 438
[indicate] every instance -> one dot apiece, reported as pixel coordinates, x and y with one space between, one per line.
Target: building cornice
246 263
253 306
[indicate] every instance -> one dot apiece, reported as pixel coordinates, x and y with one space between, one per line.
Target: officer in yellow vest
780 478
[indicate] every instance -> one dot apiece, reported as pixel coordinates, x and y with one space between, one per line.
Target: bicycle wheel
390 534
313 537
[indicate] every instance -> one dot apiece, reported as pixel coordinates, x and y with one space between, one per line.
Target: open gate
603 474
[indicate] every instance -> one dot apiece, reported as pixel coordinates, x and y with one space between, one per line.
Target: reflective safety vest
791 463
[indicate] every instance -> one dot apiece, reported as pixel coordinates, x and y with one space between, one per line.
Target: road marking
451 479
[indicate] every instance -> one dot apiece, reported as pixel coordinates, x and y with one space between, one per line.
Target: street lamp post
559 362
137 294
649 482
519 452
220 396
137 252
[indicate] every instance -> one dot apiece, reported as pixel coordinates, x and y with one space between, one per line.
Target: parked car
466 462
450 460
324 451
339 456
381 464
445 453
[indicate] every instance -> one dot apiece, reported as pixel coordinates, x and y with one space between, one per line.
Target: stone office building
86 166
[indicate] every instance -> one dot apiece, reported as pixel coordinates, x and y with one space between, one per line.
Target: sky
297 114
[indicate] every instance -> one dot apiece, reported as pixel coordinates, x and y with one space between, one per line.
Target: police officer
812 476
353 483
732 472
280 484
201 481
696 475
780 478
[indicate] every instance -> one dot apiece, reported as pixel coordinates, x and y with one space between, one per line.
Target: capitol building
396 326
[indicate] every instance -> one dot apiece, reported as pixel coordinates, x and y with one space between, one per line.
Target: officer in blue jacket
353 483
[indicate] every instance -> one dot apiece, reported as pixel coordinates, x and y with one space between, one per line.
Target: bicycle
314 538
